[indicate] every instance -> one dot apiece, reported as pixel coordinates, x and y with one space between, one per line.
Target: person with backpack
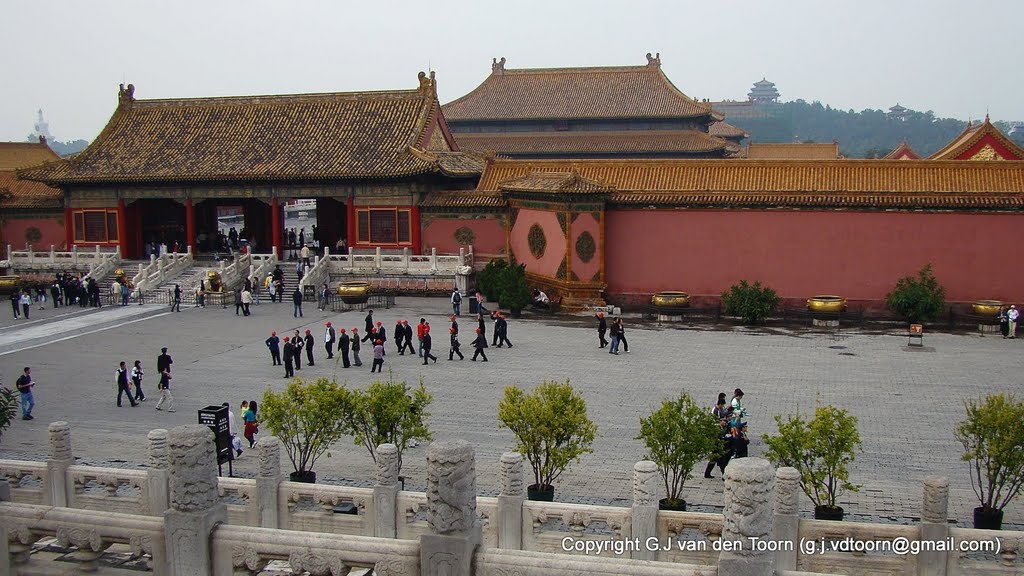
456 301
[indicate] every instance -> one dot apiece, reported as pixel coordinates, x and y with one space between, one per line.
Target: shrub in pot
307 419
917 298
8 407
677 436
552 430
993 438
821 450
388 413
489 279
751 302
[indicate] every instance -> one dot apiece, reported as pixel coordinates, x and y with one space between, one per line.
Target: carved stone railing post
385 492
510 502
934 526
158 472
31 255
645 508
451 510
749 483
268 481
74 253
195 507
433 260
57 465
406 260
786 524
53 254
377 259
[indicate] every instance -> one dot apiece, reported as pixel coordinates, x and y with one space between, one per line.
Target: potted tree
8 407
993 440
307 419
678 435
552 430
917 299
821 450
388 412
514 292
751 302
489 279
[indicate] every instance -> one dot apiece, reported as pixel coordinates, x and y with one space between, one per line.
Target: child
378 357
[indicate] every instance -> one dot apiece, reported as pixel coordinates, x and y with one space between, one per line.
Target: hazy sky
67 57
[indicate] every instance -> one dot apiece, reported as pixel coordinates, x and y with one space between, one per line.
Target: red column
414 223
190 225
275 226
350 222
69 228
122 230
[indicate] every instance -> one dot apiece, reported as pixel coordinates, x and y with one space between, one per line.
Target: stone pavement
907 402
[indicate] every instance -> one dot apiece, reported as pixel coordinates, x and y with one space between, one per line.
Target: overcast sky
67 57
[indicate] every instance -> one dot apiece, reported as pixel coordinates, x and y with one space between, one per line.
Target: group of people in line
733 429
129 383
65 290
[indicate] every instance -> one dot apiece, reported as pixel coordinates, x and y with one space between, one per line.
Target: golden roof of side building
902 152
463 200
593 142
332 136
726 130
867 184
791 151
14 155
15 193
971 137
576 93
555 182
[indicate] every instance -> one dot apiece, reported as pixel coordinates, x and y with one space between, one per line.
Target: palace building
30 212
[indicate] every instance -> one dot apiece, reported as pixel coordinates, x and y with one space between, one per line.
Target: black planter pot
678 506
516 312
828 513
307 477
540 493
988 518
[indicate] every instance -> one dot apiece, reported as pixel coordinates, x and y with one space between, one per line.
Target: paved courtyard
907 402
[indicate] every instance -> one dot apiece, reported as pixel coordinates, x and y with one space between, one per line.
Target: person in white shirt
540 299
233 430
1012 314
136 376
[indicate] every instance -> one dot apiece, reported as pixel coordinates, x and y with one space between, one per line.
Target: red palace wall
586 271
554 251
440 234
52 230
858 255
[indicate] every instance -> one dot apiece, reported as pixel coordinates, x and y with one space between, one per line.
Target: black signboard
216 417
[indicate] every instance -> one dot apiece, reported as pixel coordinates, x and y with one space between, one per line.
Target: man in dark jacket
289 356
122 385
501 327
369 321
297 301
407 331
163 361
343 346
309 348
274 344
602 329
399 337
480 343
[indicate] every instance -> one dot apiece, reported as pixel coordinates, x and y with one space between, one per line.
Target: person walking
16 302
737 404
1012 315
480 343
427 342
454 336
26 303
721 414
407 333
297 301
344 342
163 361
124 293
614 332
165 391
325 296
501 329
246 301
378 357
369 320
621 332
251 427
481 326
274 344
238 302
176 305
201 295
602 328
298 344
355 348
137 375
255 289
399 338
25 385
122 385
329 340
272 288
289 358
382 333
456 301
309 348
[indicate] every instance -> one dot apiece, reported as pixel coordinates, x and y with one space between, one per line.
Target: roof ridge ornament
427 83
498 66
125 95
654 61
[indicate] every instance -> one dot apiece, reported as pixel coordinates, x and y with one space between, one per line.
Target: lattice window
95 226
384 226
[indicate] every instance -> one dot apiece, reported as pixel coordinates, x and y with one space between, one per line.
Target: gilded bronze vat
354 292
987 307
827 303
670 299
8 284
213 281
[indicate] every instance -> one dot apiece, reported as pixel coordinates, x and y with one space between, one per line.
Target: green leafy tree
8 407
677 436
514 291
306 418
489 279
993 440
753 303
821 450
551 427
388 413
917 298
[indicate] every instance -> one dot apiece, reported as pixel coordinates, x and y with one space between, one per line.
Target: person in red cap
378 356
309 348
501 330
602 329
455 324
453 332
480 343
329 338
355 347
343 344
382 334
289 356
427 343
274 343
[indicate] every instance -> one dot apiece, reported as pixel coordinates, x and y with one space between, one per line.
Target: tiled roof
463 200
788 182
592 142
921 201
726 130
576 93
797 151
14 155
354 135
15 193
454 164
970 136
555 182
902 152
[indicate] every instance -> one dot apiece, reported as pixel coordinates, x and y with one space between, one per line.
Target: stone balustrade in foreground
178 517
